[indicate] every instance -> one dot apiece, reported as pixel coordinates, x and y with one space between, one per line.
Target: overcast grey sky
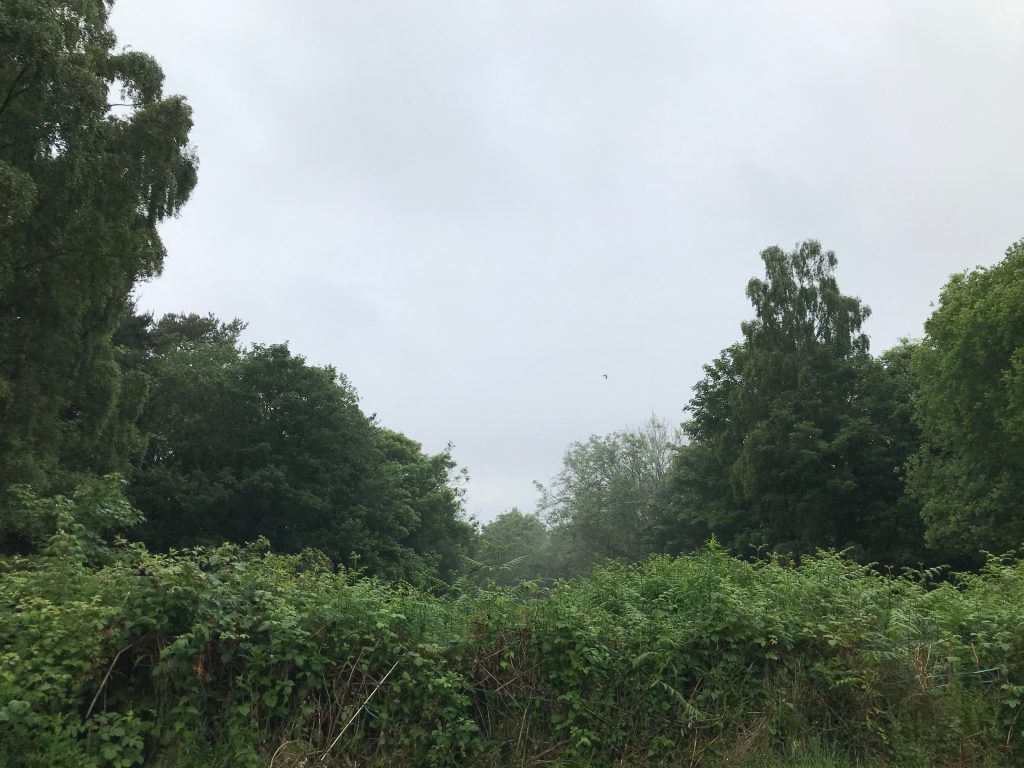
475 209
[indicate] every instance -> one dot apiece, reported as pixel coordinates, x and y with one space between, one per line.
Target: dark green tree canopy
796 433
969 472
428 492
256 442
83 185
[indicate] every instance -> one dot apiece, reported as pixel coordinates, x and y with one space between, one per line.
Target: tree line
211 441
796 437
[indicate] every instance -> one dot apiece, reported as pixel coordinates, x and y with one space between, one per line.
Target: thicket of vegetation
373 623
237 656
218 442
797 438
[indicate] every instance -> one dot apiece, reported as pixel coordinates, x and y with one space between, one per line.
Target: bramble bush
237 656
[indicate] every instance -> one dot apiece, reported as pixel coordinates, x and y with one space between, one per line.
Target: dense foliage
230 656
249 623
969 471
797 435
256 442
83 185
219 442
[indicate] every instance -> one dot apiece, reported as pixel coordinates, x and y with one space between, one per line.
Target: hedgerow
237 656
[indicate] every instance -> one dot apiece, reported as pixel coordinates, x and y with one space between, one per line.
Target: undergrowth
238 657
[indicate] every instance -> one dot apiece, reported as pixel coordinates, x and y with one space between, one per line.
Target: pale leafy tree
606 502
516 547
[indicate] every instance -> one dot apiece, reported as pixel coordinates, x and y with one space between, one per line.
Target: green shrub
236 656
